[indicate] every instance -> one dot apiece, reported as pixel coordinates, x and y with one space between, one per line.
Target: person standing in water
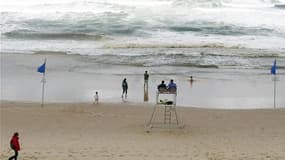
191 80
145 86
146 76
125 88
96 98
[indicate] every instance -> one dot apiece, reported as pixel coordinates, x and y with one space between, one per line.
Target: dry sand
117 131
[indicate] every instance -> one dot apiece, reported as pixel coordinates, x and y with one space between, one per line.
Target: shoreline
129 103
117 131
76 80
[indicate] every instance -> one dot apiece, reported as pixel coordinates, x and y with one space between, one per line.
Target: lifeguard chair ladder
169 109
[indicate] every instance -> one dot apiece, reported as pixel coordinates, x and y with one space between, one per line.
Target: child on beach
15 145
96 98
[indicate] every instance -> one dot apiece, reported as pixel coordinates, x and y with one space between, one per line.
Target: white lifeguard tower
170 117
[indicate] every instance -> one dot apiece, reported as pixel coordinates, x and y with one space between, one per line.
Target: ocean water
211 33
231 39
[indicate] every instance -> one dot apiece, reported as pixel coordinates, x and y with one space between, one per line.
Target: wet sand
71 78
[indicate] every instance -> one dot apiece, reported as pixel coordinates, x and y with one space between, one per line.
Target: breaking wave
26 34
90 26
186 57
198 33
198 3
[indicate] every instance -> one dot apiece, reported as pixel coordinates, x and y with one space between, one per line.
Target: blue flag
42 68
273 67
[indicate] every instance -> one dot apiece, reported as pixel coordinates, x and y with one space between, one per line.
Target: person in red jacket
15 145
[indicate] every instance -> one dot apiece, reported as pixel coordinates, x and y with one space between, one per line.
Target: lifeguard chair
169 108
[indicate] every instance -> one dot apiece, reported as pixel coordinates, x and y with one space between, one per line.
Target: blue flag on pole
42 68
273 67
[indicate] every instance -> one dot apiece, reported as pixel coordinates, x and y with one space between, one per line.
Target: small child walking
15 145
96 98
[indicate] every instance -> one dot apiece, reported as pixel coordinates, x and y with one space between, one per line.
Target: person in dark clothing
191 79
15 145
125 88
145 86
146 76
162 87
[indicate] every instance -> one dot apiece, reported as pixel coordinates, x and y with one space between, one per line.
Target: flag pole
275 90
273 71
43 86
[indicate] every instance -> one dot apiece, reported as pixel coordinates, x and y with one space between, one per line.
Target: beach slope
83 131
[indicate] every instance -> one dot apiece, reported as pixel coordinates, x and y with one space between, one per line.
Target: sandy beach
83 47
84 131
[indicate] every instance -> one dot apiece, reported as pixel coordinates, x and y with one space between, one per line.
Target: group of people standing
172 87
125 85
